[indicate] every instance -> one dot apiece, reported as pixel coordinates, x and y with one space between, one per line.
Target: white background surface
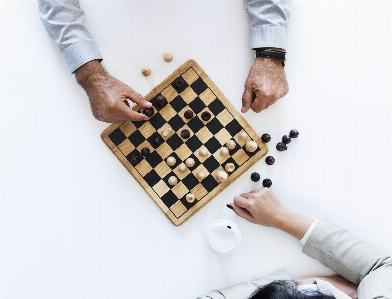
75 224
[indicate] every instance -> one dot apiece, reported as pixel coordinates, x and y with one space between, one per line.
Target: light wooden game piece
231 144
146 72
201 175
182 167
190 198
229 167
221 176
242 135
203 152
168 57
166 132
172 180
171 161
224 151
190 162
251 146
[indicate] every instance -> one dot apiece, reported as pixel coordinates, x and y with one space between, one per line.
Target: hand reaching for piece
108 96
266 83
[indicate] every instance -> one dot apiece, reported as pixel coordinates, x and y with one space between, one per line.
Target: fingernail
229 206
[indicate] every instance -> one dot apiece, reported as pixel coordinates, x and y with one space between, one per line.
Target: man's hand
262 207
108 96
266 83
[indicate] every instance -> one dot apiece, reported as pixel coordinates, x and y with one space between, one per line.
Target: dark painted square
233 127
216 107
194 143
174 142
187 204
166 178
152 178
178 160
157 121
199 86
139 123
211 164
251 154
176 122
213 145
231 160
214 126
136 138
154 159
190 181
234 150
117 136
197 162
195 124
197 105
179 90
134 153
178 103
169 199
151 138
209 183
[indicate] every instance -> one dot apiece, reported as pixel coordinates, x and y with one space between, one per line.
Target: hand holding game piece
251 146
266 138
148 111
160 100
270 160
230 144
255 177
108 96
190 198
266 83
286 139
172 181
281 146
294 133
229 167
267 183
221 176
171 161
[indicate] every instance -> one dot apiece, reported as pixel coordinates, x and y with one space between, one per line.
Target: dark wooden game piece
270 160
158 140
145 151
206 115
134 160
148 111
286 139
267 183
179 83
255 177
160 100
185 134
266 138
294 133
281 146
188 114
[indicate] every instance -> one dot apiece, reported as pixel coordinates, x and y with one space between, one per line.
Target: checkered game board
198 94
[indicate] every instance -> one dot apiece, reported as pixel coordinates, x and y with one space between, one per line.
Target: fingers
241 202
247 98
137 98
128 114
243 213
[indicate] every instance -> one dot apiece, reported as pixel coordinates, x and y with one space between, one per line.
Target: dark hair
286 289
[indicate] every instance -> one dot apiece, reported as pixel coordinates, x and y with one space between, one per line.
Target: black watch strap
270 53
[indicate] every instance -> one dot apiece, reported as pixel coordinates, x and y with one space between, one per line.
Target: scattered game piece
286 139
294 133
281 146
201 175
146 72
158 140
242 135
172 180
251 146
270 160
145 151
224 151
179 83
203 152
160 100
188 114
171 161
166 132
182 167
267 183
221 176
230 144
148 111
206 115
190 198
185 134
190 162
168 57
266 138
229 167
255 177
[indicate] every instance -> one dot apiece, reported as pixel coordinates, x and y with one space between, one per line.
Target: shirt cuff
81 53
268 36
308 232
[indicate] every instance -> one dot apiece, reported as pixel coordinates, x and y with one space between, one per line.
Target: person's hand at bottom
108 96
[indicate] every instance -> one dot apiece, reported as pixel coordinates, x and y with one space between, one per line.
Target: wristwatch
270 53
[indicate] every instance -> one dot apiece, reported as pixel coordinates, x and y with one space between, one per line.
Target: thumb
128 114
138 99
247 98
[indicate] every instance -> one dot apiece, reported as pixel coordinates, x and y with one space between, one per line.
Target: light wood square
128 128
162 169
201 158
169 93
147 129
164 150
201 112
126 147
207 96
143 167
180 189
240 157
190 76
161 188
198 169
183 152
147 144
223 136
216 171
199 191
188 95
180 174
161 130
185 127
204 134
221 158
243 141
225 117
178 209
167 112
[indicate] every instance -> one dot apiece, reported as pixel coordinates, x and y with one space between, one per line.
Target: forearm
293 223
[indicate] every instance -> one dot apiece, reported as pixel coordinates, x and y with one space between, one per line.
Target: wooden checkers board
198 94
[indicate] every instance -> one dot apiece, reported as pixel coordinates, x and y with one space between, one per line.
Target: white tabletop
75 224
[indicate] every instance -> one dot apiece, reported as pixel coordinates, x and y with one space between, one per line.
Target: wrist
90 72
272 54
293 223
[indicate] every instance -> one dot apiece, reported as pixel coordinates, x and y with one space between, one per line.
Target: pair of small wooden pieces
168 57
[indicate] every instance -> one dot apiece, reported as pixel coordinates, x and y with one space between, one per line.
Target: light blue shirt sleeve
63 20
268 23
